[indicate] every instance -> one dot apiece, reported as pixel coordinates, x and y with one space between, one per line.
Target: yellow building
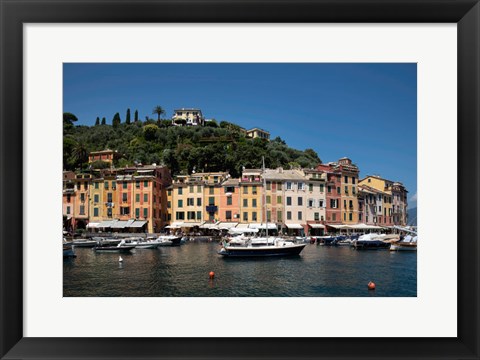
258 133
394 200
251 210
349 191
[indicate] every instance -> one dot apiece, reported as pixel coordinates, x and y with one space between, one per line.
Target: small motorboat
409 243
169 240
121 247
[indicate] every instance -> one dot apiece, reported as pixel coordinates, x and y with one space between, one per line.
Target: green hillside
217 147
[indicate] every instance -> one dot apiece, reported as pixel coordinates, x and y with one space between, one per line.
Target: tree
116 120
127 120
104 121
136 115
69 118
97 122
159 111
149 131
80 153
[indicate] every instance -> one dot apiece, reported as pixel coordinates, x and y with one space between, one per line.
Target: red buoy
371 285
211 275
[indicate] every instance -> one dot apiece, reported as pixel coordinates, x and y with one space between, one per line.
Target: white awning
317 226
208 226
191 224
226 225
120 224
105 224
262 226
294 226
242 226
338 226
363 227
175 225
137 224
93 225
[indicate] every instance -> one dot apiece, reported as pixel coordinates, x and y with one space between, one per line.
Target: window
289 185
346 189
68 210
190 202
82 197
269 185
245 216
154 210
228 215
344 204
154 199
85 186
254 203
316 216
329 188
124 197
299 215
109 212
321 204
289 215
344 216
279 186
279 216
301 186
310 187
95 198
145 212
269 215
360 217
353 179
350 216
254 190
105 185
310 203
124 184
353 190
350 204
191 189
334 217
199 201
109 197
199 189
180 191
279 199
211 190
333 203
137 212
169 192
124 210
190 215
137 197
346 179
245 202
199 215
268 199
137 184
289 200
245 189
211 200
169 204
338 190
95 211
229 200
180 203
254 216
180 215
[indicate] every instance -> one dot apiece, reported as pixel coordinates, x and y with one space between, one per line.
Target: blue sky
367 112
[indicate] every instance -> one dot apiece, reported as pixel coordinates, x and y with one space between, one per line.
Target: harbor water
319 271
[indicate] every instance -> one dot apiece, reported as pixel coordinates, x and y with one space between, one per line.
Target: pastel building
230 201
103 155
333 194
258 133
75 200
316 201
394 200
192 116
251 196
295 201
130 194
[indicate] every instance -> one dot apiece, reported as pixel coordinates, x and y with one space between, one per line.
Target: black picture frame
14 14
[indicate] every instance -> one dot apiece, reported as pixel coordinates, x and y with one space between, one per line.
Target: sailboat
264 245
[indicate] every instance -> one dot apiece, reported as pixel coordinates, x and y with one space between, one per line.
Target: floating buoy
371 285
211 275
120 259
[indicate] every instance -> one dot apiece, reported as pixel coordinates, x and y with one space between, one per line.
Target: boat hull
370 245
113 248
403 247
261 251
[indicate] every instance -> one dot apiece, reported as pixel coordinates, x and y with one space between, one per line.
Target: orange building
104 155
230 201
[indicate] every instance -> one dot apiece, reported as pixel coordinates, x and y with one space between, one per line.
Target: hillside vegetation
217 147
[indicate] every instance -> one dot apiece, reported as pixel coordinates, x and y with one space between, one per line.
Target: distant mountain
412 216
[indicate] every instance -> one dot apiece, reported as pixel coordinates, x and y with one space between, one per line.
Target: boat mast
265 197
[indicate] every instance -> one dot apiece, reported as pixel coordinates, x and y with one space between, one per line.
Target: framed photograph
76 57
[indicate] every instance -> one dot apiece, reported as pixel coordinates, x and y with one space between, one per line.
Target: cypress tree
116 120
97 122
127 120
104 121
136 115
